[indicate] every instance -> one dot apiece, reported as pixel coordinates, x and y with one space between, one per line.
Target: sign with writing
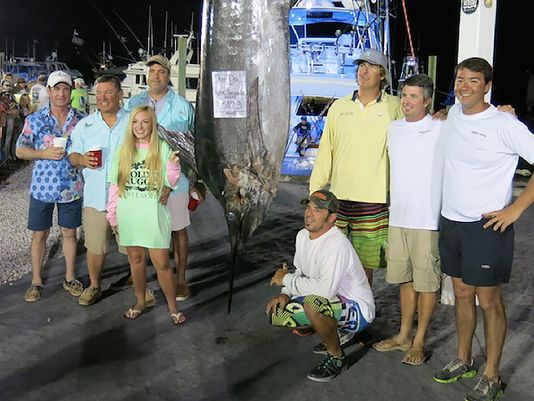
229 94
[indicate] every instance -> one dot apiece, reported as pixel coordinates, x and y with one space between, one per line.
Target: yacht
325 38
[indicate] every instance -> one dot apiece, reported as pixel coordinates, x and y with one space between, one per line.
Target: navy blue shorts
480 257
69 215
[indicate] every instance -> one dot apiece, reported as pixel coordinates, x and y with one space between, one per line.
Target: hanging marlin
242 110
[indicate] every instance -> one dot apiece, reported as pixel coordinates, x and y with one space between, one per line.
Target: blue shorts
480 257
69 215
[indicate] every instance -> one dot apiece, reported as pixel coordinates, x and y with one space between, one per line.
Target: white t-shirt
328 266
416 170
39 96
481 154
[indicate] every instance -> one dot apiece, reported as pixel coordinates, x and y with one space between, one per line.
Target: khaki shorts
177 205
412 256
97 231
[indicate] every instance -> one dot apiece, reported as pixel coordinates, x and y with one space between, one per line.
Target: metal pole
432 68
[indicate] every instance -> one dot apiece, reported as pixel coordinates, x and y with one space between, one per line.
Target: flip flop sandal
390 345
132 313
178 318
420 357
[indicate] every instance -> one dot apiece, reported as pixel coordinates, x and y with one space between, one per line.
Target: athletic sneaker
33 293
74 287
455 370
485 390
328 368
89 296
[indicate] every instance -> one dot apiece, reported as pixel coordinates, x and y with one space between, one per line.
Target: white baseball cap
57 77
79 81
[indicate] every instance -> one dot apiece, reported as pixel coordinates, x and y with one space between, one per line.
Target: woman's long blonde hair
129 154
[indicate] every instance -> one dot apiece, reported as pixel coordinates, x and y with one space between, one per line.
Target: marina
56 349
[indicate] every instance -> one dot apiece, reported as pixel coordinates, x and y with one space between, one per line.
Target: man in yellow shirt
353 159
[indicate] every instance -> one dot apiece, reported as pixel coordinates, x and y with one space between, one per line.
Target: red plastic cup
96 151
194 201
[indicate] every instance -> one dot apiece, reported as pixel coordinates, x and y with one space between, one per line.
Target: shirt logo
485 266
479 134
88 125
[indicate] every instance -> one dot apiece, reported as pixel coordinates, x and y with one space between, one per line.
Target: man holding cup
45 138
94 142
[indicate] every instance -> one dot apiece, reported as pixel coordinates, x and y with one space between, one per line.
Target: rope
408 28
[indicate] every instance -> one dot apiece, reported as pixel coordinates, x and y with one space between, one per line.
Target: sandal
177 318
390 345
132 313
415 356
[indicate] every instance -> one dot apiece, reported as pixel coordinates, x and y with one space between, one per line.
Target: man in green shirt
79 98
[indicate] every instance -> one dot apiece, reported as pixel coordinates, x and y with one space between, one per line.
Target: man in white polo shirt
415 196
481 146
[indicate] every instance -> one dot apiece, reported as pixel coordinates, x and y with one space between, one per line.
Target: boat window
314 105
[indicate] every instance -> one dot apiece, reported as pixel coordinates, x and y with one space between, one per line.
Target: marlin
242 110
242 114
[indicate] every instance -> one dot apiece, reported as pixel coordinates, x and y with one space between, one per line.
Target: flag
76 39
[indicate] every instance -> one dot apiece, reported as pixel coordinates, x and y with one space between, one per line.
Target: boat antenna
127 27
408 29
165 40
115 32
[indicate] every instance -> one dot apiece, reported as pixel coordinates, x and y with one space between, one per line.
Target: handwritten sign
229 94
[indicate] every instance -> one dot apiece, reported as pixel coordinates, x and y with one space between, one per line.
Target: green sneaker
74 287
328 368
89 296
454 371
33 293
485 390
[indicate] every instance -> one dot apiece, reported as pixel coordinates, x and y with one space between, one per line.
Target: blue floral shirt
53 181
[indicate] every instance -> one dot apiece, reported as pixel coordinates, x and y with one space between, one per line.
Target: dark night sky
434 25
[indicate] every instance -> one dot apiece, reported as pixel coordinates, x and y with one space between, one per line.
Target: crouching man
328 291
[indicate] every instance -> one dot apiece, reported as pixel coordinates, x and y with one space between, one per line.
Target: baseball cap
159 59
371 56
57 77
323 199
79 81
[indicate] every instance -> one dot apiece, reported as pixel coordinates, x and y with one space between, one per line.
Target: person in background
79 97
39 94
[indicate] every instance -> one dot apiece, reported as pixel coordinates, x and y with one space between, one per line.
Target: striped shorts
366 225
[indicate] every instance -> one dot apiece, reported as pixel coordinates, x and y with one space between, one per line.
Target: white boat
135 79
325 37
